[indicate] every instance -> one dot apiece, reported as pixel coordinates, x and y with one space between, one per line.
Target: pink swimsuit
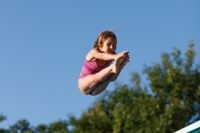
91 67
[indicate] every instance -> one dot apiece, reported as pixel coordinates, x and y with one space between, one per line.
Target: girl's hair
102 37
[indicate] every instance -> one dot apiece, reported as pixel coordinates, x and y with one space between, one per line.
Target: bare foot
116 64
125 61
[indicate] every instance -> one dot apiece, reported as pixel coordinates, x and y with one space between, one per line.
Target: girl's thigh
86 84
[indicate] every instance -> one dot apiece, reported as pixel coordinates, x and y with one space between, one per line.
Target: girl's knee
82 89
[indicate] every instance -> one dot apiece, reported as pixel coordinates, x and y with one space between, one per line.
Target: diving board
193 128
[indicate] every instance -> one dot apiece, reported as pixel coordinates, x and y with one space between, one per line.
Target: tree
2 118
171 102
60 126
21 126
176 85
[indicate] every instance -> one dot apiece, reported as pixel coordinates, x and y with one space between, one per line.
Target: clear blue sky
43 45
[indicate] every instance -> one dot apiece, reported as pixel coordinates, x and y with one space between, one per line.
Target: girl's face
109 45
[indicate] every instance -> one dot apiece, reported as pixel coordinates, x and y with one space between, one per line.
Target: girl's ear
100 45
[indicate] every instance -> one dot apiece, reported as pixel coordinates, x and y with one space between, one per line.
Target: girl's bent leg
88 83
114 76
100 88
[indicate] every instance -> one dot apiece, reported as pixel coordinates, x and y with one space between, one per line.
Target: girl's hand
122 54
127 56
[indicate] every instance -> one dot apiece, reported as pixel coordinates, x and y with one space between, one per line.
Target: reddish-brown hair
102 37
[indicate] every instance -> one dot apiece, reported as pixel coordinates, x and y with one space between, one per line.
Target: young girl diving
98 70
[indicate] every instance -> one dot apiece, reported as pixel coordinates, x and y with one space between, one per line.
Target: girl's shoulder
95 50
90 55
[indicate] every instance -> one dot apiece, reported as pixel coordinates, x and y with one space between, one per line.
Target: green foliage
21 126
58 127
97 119
2 118
175 84
172 102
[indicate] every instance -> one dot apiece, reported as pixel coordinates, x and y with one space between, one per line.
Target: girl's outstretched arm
94 53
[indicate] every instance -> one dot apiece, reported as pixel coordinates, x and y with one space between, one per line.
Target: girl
97 71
